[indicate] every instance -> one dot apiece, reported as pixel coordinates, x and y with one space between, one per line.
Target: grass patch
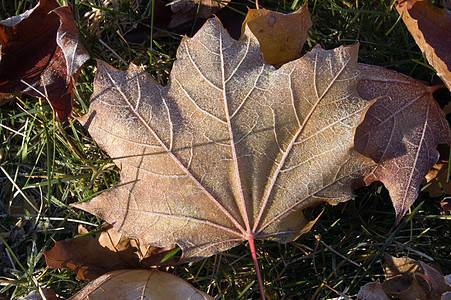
46 166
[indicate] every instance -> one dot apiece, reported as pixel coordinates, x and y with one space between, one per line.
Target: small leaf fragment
372 291
446 204
437 181
139 284
36 295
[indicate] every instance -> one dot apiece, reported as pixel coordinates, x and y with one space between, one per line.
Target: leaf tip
78 205
400 213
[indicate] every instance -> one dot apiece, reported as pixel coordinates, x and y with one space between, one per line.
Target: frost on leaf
231 149
401 132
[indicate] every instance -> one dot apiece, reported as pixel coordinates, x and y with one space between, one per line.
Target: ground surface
345 247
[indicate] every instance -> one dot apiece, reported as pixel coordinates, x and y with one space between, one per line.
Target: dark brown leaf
181 18
94 255
407 279
185 11
41 55
435 280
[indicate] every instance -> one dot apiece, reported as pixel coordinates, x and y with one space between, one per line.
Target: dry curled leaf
231 149
93 255
437 181
139 284
436 171
407 279
446 204
372 291
401 132
281 36
41 55
431 28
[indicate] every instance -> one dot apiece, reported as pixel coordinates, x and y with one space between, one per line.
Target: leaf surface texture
231 149
401 132
139 284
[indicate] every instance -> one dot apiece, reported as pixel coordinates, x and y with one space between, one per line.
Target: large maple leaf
231 149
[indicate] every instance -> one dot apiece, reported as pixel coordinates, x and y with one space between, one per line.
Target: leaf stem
437 87
257 268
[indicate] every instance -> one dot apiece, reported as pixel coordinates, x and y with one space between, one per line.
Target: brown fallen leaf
18 207
430 26
37 295
231 150
437 180
446 204
139 284
184 11
401 132
181 18
372 291
41 55
400 277
141 30
407 279
447 108
437 283
435 171
281 36
94 255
